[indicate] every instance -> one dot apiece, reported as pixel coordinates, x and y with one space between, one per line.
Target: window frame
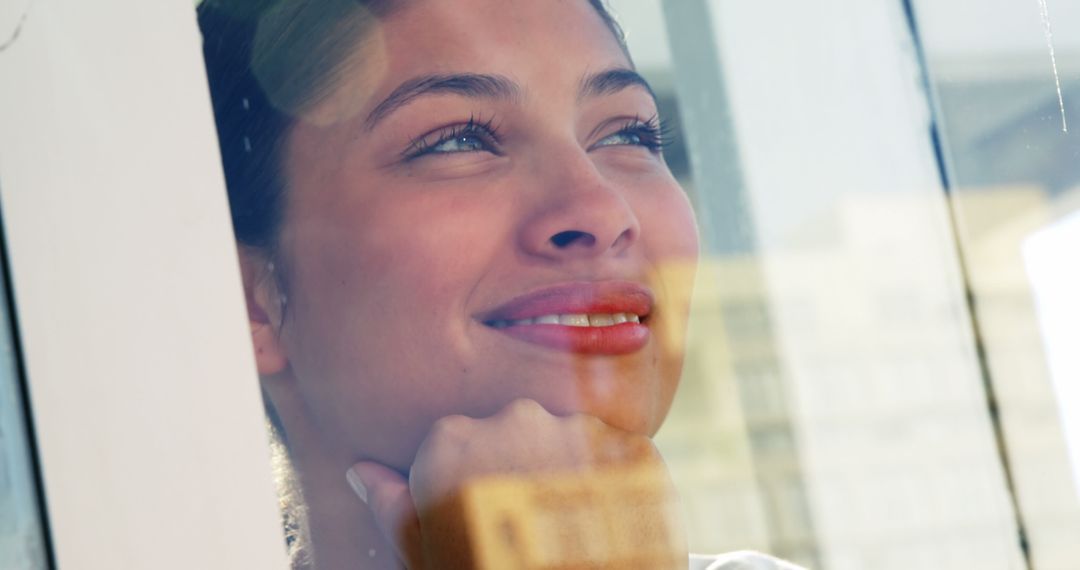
142 384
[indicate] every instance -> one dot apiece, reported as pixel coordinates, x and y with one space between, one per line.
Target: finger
609 446
387 494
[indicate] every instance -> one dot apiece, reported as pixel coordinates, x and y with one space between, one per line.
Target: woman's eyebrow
612 81
467 84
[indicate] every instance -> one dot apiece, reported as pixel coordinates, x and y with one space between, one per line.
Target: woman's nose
579 214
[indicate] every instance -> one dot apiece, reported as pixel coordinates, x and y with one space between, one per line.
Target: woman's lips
603 318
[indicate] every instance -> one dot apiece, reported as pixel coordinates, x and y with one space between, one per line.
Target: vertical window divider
938 140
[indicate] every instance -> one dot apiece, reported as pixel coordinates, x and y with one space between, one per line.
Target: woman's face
488 168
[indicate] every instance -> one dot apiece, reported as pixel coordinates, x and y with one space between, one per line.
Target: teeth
574 320
571 320
601 320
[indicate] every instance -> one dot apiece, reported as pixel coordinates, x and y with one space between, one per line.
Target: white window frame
143 387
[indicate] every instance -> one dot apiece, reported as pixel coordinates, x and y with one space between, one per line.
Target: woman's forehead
550 46
471 28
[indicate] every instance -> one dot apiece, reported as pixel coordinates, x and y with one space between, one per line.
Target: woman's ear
265 309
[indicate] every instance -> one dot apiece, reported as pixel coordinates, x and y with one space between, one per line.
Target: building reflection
834 408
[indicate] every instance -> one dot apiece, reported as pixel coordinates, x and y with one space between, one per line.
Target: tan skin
401 234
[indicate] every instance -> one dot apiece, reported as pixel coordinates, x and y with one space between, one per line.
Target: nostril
564 239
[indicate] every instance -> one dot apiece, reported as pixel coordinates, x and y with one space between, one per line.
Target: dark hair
268 60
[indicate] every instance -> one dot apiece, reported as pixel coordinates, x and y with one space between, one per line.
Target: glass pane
1004 75
22 535
833 408
444 208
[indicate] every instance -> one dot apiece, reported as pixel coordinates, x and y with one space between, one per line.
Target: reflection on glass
22 543
833 408
1012 168
1055 284
424 195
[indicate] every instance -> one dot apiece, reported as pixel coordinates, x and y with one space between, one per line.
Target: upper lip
594 298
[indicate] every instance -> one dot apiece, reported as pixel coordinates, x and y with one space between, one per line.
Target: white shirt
744 560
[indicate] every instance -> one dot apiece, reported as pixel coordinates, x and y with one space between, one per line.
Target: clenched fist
570 490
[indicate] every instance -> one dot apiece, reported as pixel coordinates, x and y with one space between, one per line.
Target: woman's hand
523 439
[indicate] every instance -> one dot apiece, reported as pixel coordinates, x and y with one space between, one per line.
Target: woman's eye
469 137
647 134
622 138
462 143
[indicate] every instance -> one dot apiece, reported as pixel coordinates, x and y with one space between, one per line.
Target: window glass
833 408
465 233
22 534
1004 76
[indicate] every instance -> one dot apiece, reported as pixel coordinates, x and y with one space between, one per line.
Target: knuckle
642 449
452 427
591 422
525 407
588 425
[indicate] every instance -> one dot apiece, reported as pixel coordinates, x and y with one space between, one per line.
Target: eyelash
651 134
484 130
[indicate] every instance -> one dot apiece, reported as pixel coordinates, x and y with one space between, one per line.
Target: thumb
387 495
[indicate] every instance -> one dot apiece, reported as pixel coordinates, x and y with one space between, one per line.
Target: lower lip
625 338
